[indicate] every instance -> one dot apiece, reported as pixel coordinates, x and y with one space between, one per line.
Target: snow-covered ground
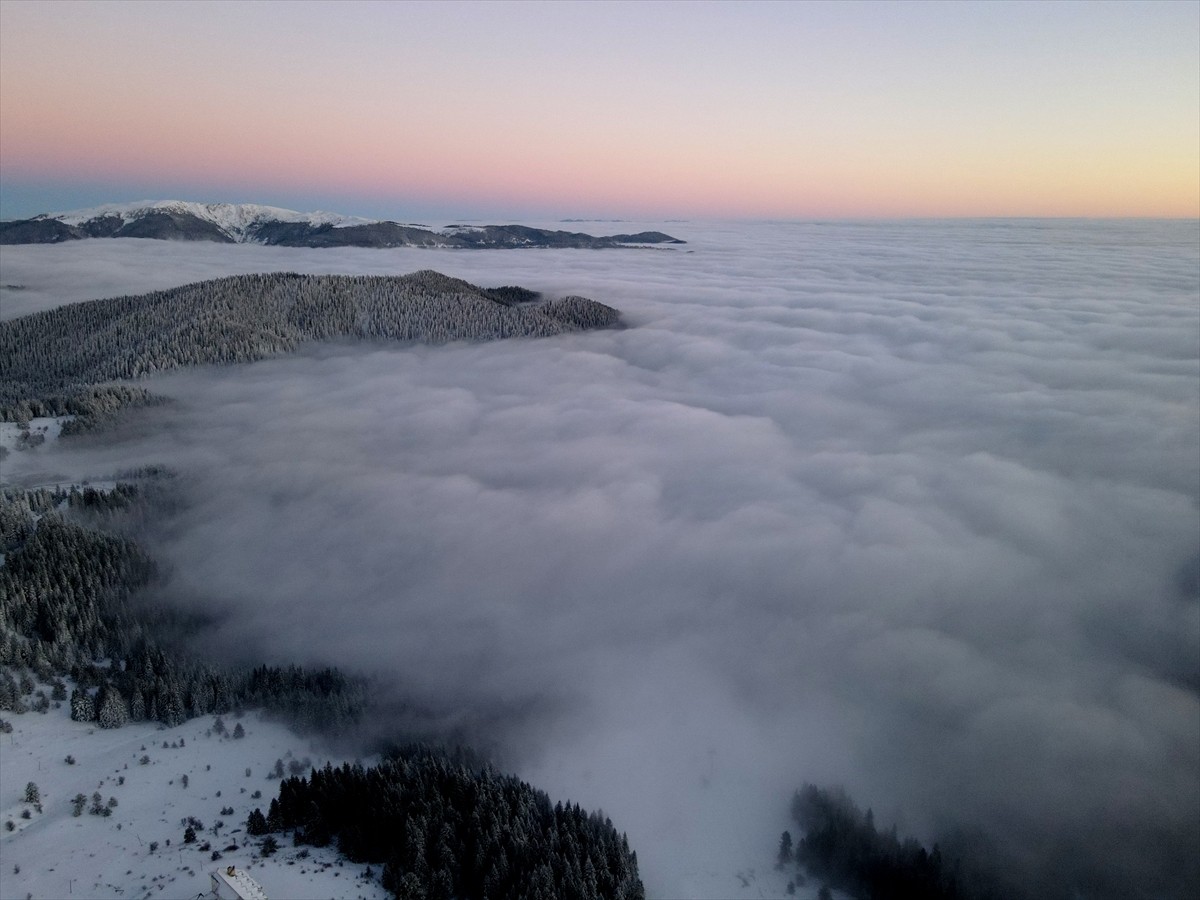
41 430
54 854
22 460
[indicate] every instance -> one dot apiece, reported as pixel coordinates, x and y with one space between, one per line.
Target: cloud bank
912 507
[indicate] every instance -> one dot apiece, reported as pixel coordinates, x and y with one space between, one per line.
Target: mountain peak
234 219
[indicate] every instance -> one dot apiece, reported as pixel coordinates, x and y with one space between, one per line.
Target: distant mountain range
247 223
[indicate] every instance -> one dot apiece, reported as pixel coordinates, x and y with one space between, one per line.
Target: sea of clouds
909 507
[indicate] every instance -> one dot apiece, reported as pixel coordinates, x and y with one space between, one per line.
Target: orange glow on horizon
206 108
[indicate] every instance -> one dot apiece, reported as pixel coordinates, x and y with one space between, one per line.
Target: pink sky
681 109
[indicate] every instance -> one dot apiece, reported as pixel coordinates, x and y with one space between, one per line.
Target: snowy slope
234 219
41 431
55 854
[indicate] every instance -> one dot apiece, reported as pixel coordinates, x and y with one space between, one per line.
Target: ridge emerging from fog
247 317
249 223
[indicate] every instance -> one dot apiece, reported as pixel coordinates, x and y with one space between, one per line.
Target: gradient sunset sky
605 109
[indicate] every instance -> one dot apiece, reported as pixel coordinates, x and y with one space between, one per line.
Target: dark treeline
67 603
51 357
91 406
525 236
510 295
442 829
841 846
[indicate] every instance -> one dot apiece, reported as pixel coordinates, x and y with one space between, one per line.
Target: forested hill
52 355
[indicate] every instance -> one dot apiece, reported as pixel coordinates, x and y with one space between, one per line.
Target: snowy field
41 431
54 854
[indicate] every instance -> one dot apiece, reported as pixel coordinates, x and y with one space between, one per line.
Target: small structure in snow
231 883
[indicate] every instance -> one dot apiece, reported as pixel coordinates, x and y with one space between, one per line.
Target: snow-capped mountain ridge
251 223
234 219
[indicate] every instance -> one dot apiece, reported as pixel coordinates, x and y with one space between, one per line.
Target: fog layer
911 507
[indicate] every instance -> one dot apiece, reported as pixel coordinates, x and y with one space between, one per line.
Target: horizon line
664 218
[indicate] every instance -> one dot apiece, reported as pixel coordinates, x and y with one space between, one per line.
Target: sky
909 507
652 110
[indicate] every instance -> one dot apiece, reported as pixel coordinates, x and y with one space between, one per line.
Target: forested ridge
67 602
443 829
51 357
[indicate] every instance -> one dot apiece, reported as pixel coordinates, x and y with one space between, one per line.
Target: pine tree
137 706
113 711
785 849
256 823
173 711
83 708
409 887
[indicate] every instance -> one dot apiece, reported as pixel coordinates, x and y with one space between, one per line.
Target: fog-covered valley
908 507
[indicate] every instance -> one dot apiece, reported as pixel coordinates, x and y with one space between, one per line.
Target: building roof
243 886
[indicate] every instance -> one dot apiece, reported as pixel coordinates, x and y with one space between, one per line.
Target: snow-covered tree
83 708
113 711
